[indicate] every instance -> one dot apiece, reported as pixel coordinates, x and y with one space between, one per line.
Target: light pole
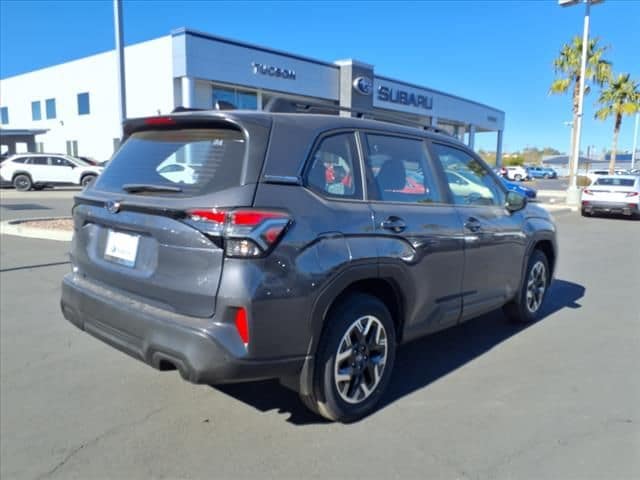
122 93
635 142
573 194
570 125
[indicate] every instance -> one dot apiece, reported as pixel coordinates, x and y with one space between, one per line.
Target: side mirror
515 201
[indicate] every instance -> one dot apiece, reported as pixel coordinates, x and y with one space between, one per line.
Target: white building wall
149 83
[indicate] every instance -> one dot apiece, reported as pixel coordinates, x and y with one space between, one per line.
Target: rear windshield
196 161
617 182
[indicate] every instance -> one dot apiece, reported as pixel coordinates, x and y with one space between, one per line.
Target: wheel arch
21 172
357 279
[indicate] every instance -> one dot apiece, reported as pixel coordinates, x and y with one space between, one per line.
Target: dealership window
234 98
72 147
50 107
83 104
36 113
4 115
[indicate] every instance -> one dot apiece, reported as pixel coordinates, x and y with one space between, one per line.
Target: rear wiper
148 187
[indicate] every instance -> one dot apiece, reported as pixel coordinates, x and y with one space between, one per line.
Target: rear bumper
610 207
202 350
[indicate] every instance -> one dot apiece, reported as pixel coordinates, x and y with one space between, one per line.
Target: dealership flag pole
122 95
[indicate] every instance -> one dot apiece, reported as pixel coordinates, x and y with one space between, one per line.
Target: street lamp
573 195
635 142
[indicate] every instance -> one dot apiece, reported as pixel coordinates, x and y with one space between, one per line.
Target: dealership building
73 107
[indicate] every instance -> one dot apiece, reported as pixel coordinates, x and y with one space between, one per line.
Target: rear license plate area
121 248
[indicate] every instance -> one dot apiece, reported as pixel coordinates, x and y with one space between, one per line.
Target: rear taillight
586 191
632 194
245 232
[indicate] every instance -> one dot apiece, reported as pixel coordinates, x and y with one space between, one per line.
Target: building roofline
440 92
208 36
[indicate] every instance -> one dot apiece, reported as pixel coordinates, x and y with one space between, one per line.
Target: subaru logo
112 206
363 85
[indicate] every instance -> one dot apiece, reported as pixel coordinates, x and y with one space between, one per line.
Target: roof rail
285 105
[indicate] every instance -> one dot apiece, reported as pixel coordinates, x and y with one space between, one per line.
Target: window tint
50 107
36 113
38 161
83 104
4 115
334 167
398 170
615 182
207 160
469 181
60 162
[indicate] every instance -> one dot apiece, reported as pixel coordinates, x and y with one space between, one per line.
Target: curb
14 227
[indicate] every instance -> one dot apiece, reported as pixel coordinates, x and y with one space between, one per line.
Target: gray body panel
438 272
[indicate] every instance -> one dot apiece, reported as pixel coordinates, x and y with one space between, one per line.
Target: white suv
517 173
38 170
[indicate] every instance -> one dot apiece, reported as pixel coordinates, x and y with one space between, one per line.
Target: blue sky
495 52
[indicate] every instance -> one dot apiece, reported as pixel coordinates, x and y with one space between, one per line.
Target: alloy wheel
360 360
536 286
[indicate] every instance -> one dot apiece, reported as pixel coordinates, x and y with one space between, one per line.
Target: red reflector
272 234
242 325
585 202
213 215
159 121
252 217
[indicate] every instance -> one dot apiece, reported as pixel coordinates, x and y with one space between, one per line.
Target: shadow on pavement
418 363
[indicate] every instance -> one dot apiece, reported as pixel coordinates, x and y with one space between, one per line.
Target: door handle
395 224
473 224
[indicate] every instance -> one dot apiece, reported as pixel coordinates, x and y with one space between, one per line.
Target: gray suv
236 246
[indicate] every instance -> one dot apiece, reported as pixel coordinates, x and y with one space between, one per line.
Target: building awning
22 132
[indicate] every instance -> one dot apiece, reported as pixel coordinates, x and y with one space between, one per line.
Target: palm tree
620 97
567 68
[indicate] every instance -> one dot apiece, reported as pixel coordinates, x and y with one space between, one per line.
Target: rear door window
198 161
399 170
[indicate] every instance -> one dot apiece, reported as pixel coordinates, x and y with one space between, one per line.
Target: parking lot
556 399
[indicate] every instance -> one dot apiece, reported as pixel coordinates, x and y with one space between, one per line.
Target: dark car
305 247
528 192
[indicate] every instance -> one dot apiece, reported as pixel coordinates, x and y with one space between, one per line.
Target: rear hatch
612 189
131 233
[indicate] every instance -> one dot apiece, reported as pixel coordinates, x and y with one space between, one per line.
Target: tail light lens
246 233
586 191
632 194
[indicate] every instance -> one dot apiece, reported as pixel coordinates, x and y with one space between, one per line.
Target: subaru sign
363 85
395 95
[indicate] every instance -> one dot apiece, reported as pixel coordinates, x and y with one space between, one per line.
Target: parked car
529 192
517 173
541 172
612 194
593 175
273 264
40 170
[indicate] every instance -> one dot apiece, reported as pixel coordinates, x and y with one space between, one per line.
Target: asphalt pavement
559 399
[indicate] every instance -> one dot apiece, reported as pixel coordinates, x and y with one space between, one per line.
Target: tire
357 394
517 177
584 213
525 308
87 180
546 176
22 182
